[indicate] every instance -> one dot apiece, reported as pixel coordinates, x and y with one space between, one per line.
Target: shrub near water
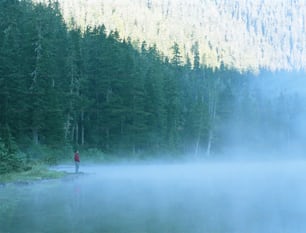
42 172
50 155
9 160
14 166
36 172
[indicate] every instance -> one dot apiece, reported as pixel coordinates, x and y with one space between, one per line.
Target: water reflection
217 197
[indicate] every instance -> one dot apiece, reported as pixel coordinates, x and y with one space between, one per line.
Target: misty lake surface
233 197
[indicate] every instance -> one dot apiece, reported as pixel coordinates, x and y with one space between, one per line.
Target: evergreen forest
63 88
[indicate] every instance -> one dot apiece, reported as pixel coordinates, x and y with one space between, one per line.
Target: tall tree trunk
35 136
82 128
210 136
212 109
73 133
68 119
77 133
34 86
107 139
197 145
67 127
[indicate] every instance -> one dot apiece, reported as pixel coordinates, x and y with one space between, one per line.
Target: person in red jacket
77 161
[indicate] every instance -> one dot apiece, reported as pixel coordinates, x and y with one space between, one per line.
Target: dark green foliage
9 160
90 89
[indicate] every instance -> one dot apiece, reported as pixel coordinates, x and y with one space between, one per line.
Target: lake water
227 197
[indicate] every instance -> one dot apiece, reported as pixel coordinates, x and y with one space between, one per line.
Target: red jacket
76 157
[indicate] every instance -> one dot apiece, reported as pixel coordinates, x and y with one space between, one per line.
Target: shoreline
36 174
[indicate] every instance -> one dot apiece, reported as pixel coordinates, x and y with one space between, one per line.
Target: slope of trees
91 89
245 34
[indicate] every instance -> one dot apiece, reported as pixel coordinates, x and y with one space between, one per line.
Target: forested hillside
67 87
244 34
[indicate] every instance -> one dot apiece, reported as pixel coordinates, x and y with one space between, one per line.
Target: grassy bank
37 172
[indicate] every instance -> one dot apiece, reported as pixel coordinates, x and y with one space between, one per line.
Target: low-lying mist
256 183
207 197
268 118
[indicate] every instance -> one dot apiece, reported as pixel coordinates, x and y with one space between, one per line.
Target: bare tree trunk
209 143
73 133
107 138
121 126
77 133
197 146
35 75
68 123
134 149
212 109
82 128
67 127
35 136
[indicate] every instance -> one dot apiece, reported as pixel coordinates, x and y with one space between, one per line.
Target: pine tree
12 78
155 101
39 82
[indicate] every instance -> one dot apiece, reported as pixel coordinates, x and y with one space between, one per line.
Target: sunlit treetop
245 34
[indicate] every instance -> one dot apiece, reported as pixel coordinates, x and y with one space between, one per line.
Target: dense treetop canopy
92 88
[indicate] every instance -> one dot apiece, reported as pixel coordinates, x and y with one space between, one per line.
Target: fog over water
253 180
268 119
207 197
257 186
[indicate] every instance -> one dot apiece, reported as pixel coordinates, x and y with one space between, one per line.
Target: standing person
77 161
